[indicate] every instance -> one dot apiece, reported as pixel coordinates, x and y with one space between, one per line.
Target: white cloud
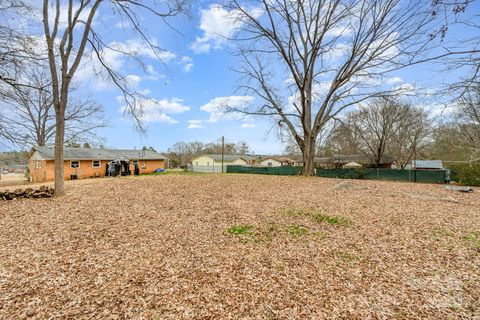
153 110
247 125
200 45
187 63
152 73
138 48
123 24
339 31
289 81
116 57
158 117
438 109
218 25
63 16
133 80
216 107
195 124
394 80
406 88
319 90
338 51
173 105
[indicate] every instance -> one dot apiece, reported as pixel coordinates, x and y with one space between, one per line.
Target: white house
213 162
277 162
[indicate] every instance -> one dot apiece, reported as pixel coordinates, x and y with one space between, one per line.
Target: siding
274 163
207 164
46 171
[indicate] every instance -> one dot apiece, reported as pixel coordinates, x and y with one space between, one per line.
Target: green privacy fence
430 176
282 171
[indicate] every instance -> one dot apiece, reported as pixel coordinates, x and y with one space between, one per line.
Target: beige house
213 162
277 162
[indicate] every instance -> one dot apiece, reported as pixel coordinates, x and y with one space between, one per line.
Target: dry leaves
157 248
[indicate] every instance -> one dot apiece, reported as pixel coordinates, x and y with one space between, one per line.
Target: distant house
14 168
82 163
340 160
213 162
277 162
352 165
427 165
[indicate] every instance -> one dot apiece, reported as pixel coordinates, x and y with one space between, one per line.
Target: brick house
83 163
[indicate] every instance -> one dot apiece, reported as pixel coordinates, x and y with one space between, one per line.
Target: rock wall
42 192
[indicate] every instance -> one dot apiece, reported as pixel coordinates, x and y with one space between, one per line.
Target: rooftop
228 157
427 164
346 158
48 153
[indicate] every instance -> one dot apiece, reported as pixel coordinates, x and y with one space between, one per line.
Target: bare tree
242 148
448 144
460 54
216 147
344 139
28 116
468 120
182 153
67 46
15 46
384 127
375 124
411 133
335 54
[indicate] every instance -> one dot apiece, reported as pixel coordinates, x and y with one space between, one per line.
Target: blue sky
193 76
186 84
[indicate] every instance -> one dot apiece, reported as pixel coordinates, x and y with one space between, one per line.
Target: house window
96 164
38 164
74 164
208 163
196 163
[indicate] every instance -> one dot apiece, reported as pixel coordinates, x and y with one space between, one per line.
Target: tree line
389 127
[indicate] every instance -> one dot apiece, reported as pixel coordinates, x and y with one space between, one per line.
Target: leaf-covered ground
241 246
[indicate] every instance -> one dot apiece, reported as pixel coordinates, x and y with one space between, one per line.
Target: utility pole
223 150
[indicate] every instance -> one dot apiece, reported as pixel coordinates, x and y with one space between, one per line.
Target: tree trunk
59 162
308 153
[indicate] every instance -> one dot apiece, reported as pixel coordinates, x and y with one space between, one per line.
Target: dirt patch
172 247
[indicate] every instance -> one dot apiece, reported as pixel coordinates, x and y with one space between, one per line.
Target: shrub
465 174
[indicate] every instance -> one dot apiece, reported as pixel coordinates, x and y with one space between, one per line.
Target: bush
465 174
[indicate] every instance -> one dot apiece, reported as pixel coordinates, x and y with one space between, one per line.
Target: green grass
442 233
346 256
238 230
297 231
335 220
319 217
473 237
266 233
298 212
